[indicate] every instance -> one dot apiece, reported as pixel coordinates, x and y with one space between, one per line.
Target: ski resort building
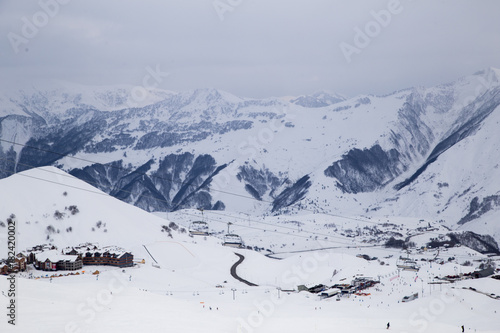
51 261
19 265
4 269
20 262
48 258
484 272
108 256
66 262
123 259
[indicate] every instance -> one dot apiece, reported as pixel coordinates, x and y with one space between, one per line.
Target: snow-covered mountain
318 99
53 207
430 153
186 284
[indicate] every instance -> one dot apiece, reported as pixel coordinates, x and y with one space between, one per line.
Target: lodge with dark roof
124 259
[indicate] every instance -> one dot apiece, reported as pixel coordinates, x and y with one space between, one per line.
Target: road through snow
236 276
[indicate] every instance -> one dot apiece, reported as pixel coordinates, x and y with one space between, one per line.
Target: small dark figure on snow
463 328
388 325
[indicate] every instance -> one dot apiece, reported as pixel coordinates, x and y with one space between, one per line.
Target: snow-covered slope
185 285
424 152
51 206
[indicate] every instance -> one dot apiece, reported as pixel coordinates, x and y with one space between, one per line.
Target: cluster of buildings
355 287
109 256
48 258
19 265
488 271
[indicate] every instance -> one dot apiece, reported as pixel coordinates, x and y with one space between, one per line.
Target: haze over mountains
429 153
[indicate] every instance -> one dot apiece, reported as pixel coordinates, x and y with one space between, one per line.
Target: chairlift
199 228
232 240
407 264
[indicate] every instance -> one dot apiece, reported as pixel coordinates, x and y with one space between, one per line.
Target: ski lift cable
162 200
216 213
185 213
162 178
346 245
212 212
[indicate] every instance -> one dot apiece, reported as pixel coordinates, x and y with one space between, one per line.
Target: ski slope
187 287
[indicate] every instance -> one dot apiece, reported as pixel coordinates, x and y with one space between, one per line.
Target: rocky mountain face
178 181
414 152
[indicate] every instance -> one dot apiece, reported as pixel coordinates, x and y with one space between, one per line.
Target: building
108 258
19 265
4 269
51 261
31 258
20 262
76 257
484 272
46 265
70 264
73 252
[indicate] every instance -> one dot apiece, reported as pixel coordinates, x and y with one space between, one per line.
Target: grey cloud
261 48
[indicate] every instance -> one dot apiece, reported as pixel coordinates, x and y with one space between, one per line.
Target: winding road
236 276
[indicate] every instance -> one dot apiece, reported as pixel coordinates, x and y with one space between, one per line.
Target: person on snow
388 325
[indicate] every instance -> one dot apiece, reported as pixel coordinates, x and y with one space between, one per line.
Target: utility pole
202 217
233 290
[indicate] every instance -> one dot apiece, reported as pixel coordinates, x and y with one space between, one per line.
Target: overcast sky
251 48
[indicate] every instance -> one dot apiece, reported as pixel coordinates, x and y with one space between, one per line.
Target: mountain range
431 153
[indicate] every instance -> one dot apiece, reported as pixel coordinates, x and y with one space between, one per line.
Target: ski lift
407 264
232 240
199 228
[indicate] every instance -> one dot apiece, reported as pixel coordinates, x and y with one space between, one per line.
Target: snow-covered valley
320 190
185 284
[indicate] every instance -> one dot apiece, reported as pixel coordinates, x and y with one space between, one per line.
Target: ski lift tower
202 217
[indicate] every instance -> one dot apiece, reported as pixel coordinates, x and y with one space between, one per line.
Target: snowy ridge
395 154
318 99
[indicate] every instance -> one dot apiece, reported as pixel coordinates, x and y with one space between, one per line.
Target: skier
463 328
388 325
